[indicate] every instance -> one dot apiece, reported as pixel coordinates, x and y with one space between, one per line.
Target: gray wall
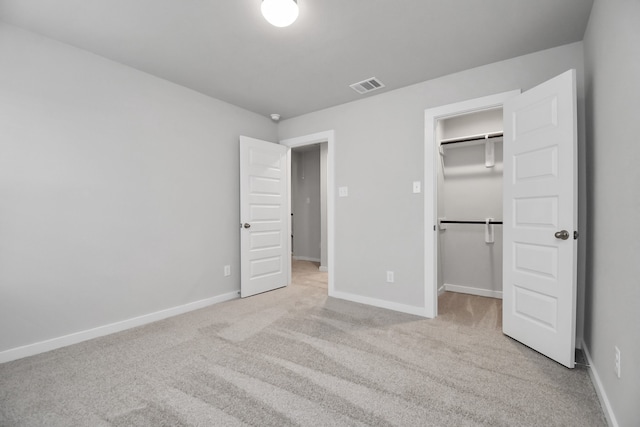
471 191
379 152
612 57
306 203
119 191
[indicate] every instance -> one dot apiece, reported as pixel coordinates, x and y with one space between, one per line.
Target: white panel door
264 216
540 217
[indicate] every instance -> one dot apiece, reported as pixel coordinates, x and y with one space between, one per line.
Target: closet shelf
488 139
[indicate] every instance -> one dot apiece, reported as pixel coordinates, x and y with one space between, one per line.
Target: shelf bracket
489 153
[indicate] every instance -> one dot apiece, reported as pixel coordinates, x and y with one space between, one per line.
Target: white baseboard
403 308
597 384
305 258
77 337
323 268
441 290
473 291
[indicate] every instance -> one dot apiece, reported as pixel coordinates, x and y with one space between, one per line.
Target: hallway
307 273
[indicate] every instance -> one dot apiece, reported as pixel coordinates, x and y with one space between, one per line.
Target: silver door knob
247 225
564 234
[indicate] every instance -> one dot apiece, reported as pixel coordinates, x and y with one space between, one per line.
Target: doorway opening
469 212
309 215
463 250
308 204
311 204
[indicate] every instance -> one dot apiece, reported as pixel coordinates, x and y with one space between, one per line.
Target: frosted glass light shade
280 13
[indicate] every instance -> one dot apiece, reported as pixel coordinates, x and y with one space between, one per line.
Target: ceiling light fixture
280 13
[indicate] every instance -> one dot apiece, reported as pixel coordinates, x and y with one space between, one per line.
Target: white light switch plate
416 186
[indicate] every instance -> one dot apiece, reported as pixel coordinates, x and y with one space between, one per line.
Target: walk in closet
470 203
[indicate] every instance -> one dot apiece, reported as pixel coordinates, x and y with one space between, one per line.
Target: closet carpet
294 357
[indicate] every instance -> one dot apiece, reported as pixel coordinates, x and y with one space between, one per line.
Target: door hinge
575 235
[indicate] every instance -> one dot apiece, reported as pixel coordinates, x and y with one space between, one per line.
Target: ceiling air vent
367 85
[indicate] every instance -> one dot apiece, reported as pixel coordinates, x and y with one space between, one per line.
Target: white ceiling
225 49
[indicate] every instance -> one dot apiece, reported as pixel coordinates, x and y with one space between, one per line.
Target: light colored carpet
296 357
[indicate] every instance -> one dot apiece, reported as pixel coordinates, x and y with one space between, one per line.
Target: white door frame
329 138
431 156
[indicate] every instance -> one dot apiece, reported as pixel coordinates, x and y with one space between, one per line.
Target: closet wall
470 191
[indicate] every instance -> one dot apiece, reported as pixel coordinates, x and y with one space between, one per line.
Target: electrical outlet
617 361
227 270
390 277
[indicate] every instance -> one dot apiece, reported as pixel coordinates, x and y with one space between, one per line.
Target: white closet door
540 217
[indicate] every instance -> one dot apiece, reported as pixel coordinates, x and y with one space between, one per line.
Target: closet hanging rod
446 221
480 137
